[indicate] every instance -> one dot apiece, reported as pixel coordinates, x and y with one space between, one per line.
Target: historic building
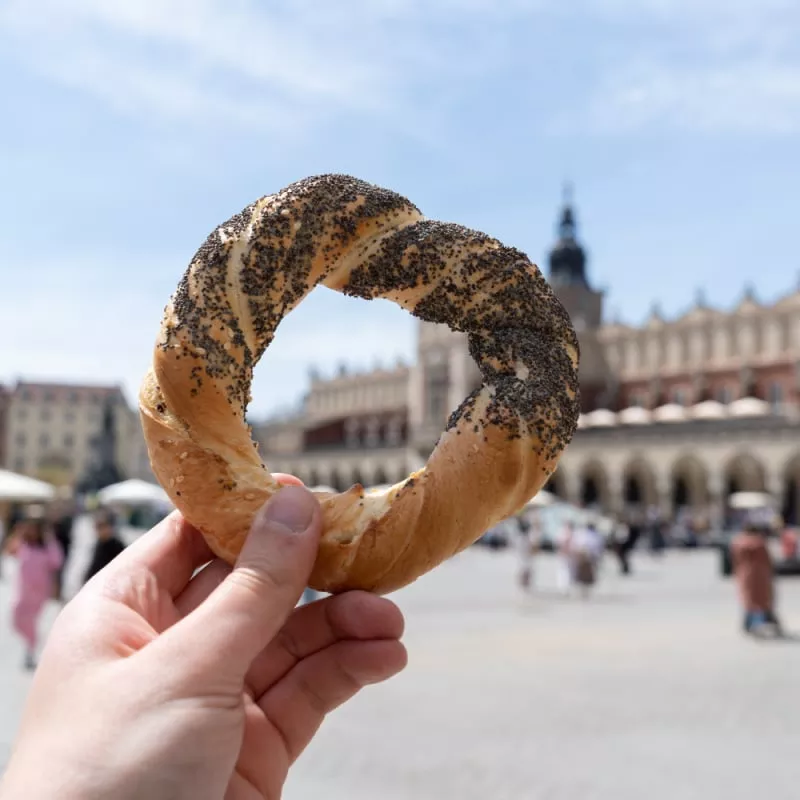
677 413
354 428
55 431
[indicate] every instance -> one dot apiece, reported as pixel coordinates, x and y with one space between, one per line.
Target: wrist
44 777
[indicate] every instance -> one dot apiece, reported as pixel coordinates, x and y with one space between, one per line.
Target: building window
394 431
437 408
22 413
44 440
775 393
373 437
20 440
69 416
19 464
438 385
351 432
679 396
69 440
73 398
724 395
44 414
49 397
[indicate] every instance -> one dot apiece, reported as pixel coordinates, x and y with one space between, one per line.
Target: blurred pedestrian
527 545
107 546
62 528
587 550
754 573
622 544
40 557
565 560
656 531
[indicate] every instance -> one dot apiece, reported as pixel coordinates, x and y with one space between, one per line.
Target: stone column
716 502
570 480
664 494
351 430
372 438
615 487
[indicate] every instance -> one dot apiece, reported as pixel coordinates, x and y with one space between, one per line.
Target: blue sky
133 128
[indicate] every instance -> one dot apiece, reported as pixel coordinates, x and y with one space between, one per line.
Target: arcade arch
743 473
689 483
639 484
594 491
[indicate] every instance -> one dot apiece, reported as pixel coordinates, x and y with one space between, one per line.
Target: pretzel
499 447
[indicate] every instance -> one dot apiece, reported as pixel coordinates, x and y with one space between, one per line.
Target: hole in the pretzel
301 418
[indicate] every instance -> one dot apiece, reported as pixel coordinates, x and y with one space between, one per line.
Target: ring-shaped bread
499 447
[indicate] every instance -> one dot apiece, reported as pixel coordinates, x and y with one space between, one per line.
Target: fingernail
292 507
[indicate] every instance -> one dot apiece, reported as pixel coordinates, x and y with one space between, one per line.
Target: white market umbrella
16 488
134 492
748 407
635 415
541 499
671 412
750 500
601 418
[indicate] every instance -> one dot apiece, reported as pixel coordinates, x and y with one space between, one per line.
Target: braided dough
499 447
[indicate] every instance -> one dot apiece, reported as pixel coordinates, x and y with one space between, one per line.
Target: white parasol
16 488
751 500
541 499
134 492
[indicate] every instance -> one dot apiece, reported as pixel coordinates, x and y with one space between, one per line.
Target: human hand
157 684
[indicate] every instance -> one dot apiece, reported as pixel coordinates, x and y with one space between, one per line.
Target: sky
133 128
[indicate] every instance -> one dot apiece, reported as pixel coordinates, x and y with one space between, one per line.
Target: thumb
245 612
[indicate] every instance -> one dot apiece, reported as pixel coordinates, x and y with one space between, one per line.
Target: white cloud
287 66
279 66
719 66
747 97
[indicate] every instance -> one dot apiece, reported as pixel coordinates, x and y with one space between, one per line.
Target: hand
157 684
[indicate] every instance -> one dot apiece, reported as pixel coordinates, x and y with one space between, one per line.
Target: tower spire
567 258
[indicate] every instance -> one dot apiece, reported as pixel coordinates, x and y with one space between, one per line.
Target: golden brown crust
500 446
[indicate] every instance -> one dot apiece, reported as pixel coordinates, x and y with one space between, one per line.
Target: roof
63 392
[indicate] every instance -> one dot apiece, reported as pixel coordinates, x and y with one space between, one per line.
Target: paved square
647 690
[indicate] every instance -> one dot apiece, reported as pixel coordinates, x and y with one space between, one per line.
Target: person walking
587 549
108 545
527 545
62 529
40 557
753 569
565 576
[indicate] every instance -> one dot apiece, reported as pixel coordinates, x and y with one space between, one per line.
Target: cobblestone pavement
647 690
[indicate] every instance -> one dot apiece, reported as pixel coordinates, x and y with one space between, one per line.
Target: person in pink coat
40 557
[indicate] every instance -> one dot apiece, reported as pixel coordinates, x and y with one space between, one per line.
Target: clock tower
584 305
